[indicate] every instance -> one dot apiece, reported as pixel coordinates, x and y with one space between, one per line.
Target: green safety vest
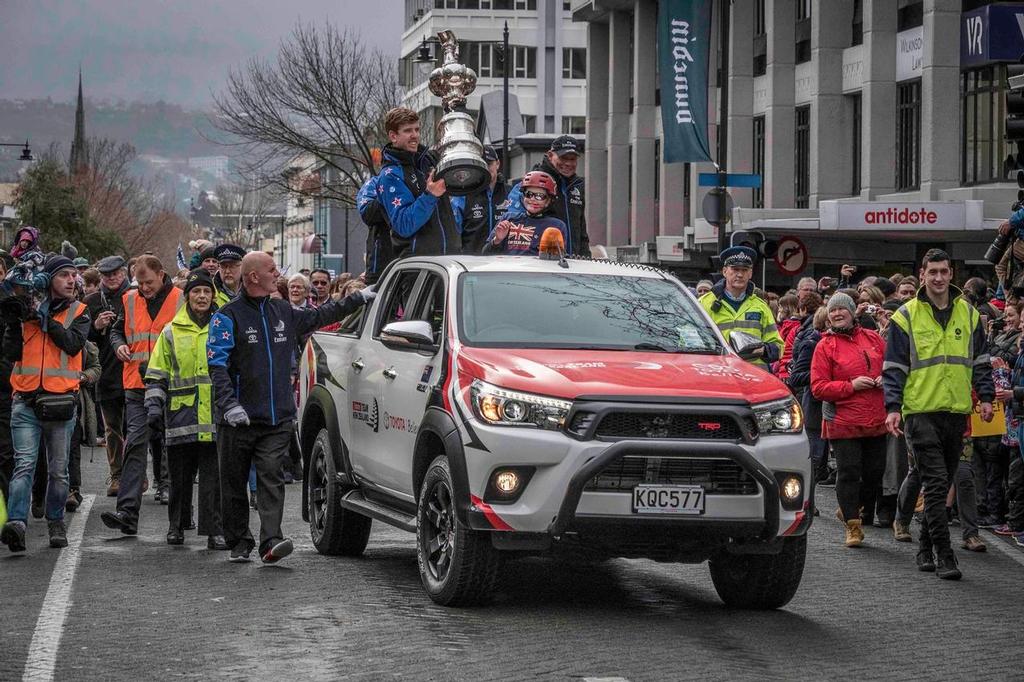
753 317
178 374
941 360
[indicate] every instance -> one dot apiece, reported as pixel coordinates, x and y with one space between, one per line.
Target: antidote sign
683 45
921 215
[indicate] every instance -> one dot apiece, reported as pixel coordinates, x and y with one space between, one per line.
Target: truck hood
572 374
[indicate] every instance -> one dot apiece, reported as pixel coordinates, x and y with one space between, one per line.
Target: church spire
79 159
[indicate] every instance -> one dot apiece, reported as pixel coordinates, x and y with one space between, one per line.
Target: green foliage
46 199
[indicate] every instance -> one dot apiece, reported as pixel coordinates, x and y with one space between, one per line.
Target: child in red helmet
521 236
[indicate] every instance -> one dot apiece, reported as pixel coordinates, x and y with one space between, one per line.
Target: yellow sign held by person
996 427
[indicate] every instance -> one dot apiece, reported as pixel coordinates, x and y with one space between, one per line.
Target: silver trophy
461 164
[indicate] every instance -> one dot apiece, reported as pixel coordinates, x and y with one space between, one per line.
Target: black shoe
163 495
175 537
74 500
926 561
216 542
278 551
119 521
946 567
58 534
240 553
13 535
38 509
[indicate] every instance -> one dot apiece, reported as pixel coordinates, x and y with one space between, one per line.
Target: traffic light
1015 102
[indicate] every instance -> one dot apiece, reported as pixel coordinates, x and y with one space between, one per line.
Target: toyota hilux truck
501 406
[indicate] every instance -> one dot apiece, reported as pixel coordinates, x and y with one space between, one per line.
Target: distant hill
159 128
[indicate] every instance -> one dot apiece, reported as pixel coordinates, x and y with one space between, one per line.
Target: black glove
155 419
13 309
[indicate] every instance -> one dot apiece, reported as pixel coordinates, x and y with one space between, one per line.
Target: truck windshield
581 311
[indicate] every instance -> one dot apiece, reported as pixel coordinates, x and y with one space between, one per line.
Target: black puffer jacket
799 381
1004 346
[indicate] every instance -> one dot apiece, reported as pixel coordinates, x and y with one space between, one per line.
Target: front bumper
557 505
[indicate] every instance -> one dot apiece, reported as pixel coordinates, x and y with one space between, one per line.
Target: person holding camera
45 342
935 360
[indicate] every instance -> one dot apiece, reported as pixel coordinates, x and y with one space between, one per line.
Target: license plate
668 499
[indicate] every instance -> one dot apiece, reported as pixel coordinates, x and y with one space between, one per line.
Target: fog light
791 488
507 482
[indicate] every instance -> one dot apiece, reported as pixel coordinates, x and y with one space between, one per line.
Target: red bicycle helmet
539 180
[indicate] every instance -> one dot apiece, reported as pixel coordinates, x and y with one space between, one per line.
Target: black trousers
991 463
1015 491
860 464
75 456
238 448
6 444
935 440
183 461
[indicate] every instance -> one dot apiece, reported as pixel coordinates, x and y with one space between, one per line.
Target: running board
354 501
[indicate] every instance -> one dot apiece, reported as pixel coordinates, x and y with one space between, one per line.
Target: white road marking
605 679
42 652
1001 545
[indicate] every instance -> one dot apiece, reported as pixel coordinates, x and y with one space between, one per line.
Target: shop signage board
919 215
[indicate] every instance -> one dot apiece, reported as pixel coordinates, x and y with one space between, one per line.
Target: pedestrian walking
45 343
250 347
846 376
936 354
179 403
146 312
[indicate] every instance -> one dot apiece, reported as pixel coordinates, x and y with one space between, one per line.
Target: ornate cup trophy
461 164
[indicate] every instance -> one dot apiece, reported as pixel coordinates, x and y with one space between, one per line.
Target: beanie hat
841 300
56 263
198 278
885 286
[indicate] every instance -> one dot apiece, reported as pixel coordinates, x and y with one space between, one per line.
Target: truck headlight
502 407
779 416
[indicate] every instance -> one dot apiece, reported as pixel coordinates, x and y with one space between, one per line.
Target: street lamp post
504 83
26 152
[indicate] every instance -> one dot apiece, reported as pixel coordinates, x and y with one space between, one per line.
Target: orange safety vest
141 332
42 362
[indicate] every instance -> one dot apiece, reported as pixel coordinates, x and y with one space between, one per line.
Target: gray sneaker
58 534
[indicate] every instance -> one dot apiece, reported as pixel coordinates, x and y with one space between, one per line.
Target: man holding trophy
423 191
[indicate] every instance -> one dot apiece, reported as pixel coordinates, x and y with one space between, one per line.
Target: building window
529 123
574 125
758 148
802 174
856 120
566 6
526 4
908 136
481 58
760 39
524 62
574 62
985 157
803 31
909 14
857 25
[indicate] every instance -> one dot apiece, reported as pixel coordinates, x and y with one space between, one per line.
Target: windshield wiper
654 347
696 350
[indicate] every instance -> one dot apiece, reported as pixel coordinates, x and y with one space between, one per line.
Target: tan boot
854 534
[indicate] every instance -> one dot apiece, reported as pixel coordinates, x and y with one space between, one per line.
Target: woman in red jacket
846 375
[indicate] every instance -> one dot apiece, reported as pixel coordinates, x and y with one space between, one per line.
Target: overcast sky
175 50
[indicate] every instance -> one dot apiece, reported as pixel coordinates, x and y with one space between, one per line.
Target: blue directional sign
752 180
993 33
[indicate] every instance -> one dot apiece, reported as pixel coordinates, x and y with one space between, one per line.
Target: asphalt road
140 609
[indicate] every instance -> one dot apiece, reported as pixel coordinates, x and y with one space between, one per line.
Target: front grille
668 425
718 476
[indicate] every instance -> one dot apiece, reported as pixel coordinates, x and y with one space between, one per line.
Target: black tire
335 531
760 581
458 566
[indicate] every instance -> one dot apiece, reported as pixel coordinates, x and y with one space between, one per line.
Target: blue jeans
26 432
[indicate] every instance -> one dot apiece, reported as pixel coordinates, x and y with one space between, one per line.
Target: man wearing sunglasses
521 236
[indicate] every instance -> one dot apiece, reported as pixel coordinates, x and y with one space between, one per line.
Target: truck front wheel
760 581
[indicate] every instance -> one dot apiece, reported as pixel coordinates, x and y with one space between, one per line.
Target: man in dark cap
560 162
733 306
229 261
104 307
46 343
484 207
207 259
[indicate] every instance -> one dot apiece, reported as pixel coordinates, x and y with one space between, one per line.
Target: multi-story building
547 67
216 166
858 115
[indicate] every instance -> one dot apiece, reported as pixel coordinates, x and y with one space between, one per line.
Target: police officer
179 404
250 348
484 207
936 353
733 306
229 263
